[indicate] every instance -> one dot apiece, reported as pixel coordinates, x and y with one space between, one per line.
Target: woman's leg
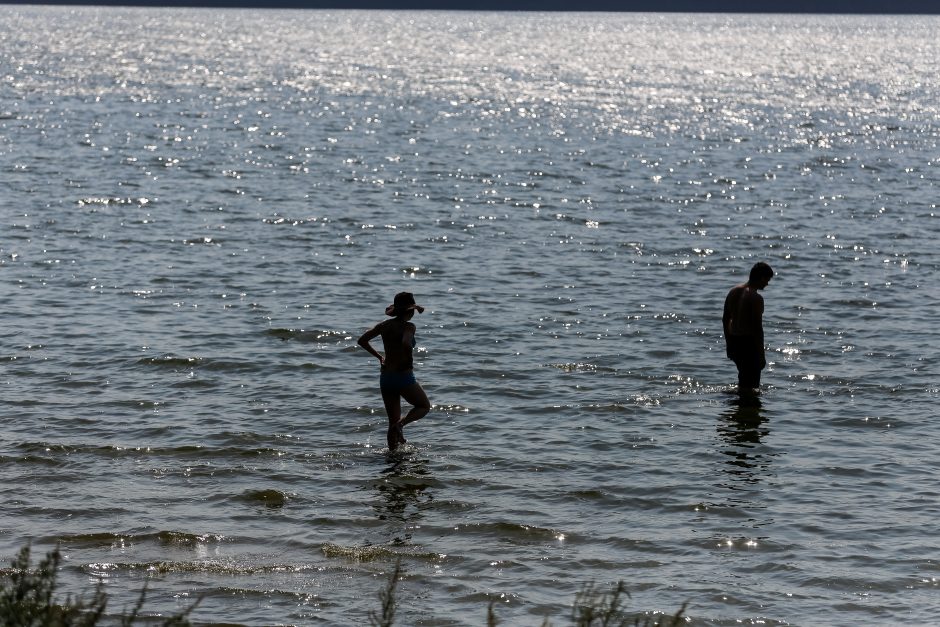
415 395
393 408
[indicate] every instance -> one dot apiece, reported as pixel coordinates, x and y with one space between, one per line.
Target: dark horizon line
832 7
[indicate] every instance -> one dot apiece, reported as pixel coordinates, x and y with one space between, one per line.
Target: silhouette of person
743 327
397 380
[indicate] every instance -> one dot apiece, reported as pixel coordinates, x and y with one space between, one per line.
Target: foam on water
206 208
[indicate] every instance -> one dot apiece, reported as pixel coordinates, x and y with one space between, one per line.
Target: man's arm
757 313
726 319
726 315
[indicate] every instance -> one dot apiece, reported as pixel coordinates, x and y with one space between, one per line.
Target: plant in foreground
27 598
592 608
387 597
605 609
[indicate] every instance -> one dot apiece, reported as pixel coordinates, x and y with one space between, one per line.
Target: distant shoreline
840 7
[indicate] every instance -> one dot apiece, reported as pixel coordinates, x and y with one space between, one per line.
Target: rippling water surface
202 210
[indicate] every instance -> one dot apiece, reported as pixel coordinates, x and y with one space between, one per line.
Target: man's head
760 275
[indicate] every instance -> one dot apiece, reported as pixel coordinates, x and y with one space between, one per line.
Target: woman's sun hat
403 302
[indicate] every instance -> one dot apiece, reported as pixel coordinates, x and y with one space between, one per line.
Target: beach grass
28 599
593 607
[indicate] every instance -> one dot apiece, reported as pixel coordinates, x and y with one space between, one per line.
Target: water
203 209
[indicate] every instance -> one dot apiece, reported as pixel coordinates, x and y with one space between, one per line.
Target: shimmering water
202 210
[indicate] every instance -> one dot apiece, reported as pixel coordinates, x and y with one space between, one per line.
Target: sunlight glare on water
204 209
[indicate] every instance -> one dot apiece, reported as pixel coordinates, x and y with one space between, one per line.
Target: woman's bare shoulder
381 326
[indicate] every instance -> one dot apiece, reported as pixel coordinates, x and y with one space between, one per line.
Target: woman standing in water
397 380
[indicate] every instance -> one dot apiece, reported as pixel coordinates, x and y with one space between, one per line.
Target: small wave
270 498
661 353
303 335
209 567
646 400
134 404
871 422
525 272
47 447
207 241
413 271
611 408
75 383
574 367
198 384
38 460
240 446
374 552
657 549
858 302
170 361
594 496
228 592
826 161
110 539
228 366
283 220
451 408
110 200
513 532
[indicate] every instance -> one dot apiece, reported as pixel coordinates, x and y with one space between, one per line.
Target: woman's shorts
395 381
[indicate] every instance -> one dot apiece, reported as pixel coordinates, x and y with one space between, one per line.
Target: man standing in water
744 330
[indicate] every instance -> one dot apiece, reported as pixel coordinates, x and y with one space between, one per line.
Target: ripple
179 300
373 553
269 498
110 539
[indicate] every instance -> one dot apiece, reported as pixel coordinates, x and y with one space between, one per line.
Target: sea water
202 210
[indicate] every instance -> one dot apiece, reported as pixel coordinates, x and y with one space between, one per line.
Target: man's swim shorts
748 356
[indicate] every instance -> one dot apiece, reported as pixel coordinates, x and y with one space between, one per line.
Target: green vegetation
605 609
27 599
387 597
592 608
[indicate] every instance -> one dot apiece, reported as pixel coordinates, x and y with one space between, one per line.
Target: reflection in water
742 429
404 490
745 459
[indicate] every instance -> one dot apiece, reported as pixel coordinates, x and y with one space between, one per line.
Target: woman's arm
364 342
